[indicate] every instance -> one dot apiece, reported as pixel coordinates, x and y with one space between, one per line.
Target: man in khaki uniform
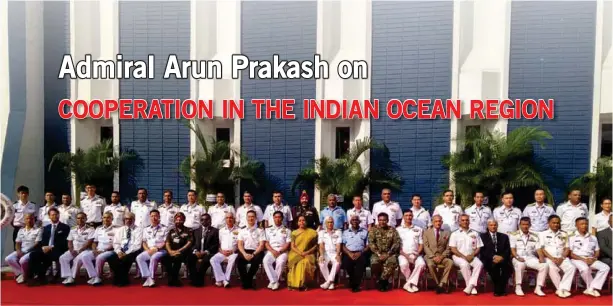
436 247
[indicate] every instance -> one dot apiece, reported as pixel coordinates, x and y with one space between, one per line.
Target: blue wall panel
159 28
552 56
284 146
411 58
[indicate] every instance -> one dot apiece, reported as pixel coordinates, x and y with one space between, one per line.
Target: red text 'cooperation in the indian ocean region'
308 109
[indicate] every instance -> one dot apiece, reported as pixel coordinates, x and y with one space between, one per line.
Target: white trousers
532 263
470 277
67 258
100 260
404 263
19 265
269 260
329 275
586 273
561 283
216 261
147 264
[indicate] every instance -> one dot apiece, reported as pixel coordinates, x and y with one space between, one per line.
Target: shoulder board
549 205
15 202
74 227
244 226
90 227
515 233
270 226
533 234
531 205
35 202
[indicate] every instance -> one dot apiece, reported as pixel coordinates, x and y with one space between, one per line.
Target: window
605 139
106 133
472 129
223 134
343 135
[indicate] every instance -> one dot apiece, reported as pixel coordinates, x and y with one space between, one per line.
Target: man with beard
310 214
178 244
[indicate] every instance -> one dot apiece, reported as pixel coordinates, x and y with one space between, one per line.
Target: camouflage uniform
384 241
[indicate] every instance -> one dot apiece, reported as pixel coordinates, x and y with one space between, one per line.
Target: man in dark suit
436 247
604 242
496 257
54 243
206 244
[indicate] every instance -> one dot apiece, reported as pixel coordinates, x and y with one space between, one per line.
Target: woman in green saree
301 259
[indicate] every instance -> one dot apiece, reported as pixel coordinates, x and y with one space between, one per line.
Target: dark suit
604 242
40 261
198 266
499 272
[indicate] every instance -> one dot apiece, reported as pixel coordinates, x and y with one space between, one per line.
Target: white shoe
560 293
597 294
218 284
331 287
68 281
538 291
275 286
20 279
226 283
413 288
406 287
468 289
566 293
325 285
474 291
518 291
270 285
91 280
589 292
97 280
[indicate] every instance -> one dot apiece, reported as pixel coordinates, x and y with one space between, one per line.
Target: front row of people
407 248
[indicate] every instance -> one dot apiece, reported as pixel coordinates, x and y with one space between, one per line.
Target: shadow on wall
382 167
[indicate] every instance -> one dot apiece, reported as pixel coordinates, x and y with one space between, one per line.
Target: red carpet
13 294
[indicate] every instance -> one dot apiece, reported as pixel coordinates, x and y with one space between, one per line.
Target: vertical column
344 32
216 35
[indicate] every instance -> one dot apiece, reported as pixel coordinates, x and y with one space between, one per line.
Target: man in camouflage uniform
384 243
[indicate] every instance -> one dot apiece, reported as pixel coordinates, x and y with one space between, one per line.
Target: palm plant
216 167
96 165
597 182
345 176
492 163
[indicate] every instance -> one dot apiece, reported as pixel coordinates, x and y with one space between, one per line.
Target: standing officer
334 211
127 243
93 206
206 243
389 207
79 247
117 209
554 245
584 253
102 247
361 212
277 205
278 239
506 215
141 208
479 214
465 245
219 210
192 210
228 241
449 211
178 245
68 211
571 210
526 252
251 241
602 218
421 216
154 248
436 247
309 212
355 246
241 212
538 212
168 210
22 207
43 212
384 242
412 246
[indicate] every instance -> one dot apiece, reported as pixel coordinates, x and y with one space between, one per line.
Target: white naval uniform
411 238
538 214
155 237
20 210
364 215
167 214
466 242
28 239
586 246
450 214
421 217
272 208
192 212
103 237
93 208
568 213
391 208
118 212
79 236
277 237
330 241
251 237
141 212
241 214
478 217
508 218
218 214
601 221
43 214
228 241
554 244
68 214
525 246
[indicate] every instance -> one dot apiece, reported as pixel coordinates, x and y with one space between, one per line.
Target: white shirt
251 237
218 214
330 240
192 212
508 218
21 209
278 236
118 212
601 221
43 214
29 238
391 208
167 213
80 236
411 238
93 208
450 214
525 245
228 238
478 217
553 243
568 213
141 212
68 214
155 237
364 215
272 208
583 245
121 238
103 237
465 241
421 217
538 215
241 214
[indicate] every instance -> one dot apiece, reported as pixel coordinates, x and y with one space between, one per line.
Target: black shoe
439 290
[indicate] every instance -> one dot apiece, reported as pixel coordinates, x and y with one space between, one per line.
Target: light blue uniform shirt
355 240
338 214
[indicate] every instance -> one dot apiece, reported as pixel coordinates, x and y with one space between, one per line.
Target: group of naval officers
505 241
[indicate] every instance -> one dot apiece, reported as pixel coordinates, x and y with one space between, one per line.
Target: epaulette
549 205
533 234
515 233
32 202
243 226
75 227
530 205
269 226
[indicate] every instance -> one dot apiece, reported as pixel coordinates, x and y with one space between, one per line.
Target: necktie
128 236
437 236
495 242
204 231
52 235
